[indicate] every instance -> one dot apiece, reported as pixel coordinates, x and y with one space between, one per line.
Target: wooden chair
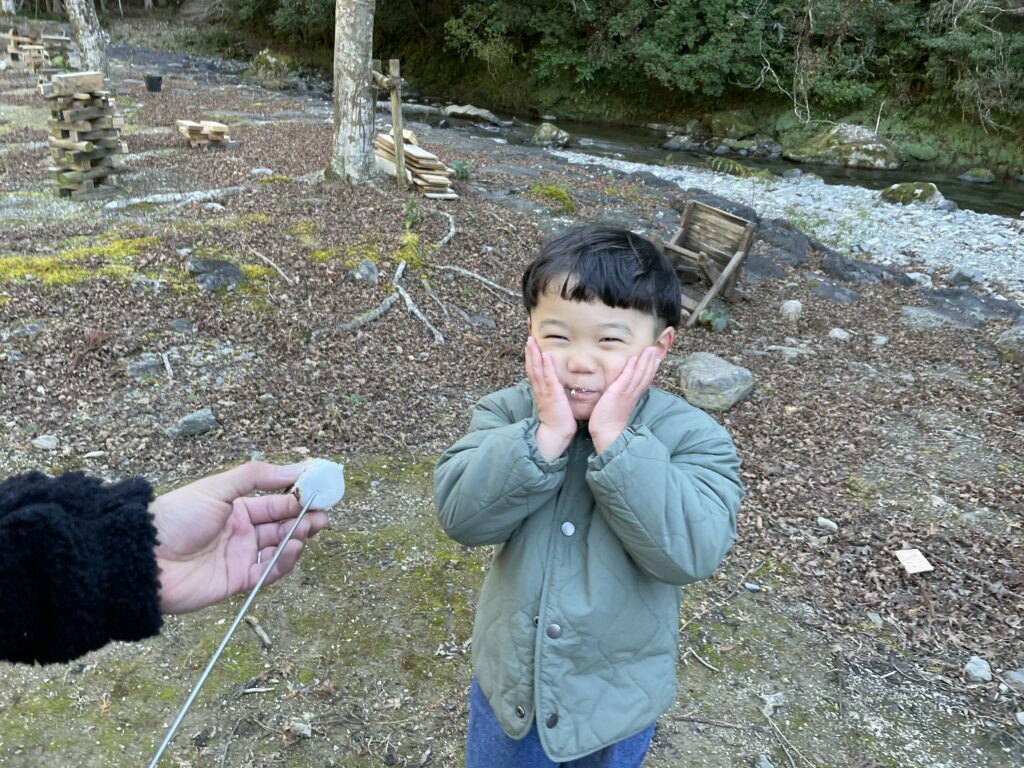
709 246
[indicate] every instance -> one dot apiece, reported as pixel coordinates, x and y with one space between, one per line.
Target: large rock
851 146
1011 344
550 135
927 318
922 193
861 272
712 383
731 124
964 301
715 201
214 274
470 112
197 423
978 176
788 244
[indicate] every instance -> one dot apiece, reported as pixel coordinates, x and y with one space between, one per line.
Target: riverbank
896 434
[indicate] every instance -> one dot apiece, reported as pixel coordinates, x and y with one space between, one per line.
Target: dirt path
845 661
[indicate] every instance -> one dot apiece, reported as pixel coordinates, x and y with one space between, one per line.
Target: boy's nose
578 361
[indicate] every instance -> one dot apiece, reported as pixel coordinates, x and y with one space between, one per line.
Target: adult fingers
252 476
270 509
284 563
271 534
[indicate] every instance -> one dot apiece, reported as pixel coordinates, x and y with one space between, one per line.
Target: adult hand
214 540
557 424
612 411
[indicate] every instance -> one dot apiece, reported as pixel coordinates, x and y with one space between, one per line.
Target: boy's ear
529 327
664 341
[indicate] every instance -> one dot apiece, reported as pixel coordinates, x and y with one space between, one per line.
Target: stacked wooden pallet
205 133
45 54
85 135
429 175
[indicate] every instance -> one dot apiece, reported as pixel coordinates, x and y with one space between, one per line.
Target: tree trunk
91 39
147 5
9 7
352 156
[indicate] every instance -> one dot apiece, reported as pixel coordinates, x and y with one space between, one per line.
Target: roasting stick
234 625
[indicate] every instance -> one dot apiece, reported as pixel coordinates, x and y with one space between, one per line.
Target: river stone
978 670
831 291
182 325
924 318
712 383
46 442
681 143
970 303
913 193
791 310
757 268
852 146
214 274
839 334
1010 344
963 277
146 365
194 424
731 124
1015 679
366 272
789 244
978 176
550 135
472 113
861 272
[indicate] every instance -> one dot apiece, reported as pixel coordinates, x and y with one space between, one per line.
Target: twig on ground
451 229
414 310
437 299
719 724
167 366
787 745
697 656
705 609
467 273
253 622
280 271
228 740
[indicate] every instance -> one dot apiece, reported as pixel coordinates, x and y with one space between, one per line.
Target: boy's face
591 343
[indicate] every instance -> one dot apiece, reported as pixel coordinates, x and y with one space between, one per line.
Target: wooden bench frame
710 246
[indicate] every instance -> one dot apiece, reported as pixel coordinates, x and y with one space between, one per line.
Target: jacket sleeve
78 567
673 508
493 478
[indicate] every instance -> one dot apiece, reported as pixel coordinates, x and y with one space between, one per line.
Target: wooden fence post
394 73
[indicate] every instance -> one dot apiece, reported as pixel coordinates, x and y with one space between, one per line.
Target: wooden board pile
205 133
46 54
429 175
85 135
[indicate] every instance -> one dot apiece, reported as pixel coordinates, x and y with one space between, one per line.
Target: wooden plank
731 267
441 195
394 70
388 167
78 82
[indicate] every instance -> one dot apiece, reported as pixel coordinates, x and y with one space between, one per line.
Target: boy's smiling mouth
580 393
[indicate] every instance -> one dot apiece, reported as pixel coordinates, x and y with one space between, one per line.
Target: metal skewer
234 625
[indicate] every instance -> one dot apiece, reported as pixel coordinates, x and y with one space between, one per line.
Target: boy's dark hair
618 267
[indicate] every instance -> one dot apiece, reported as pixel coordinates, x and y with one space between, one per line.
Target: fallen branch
493 286
167 366
788 745
451 229
696 655
265 640
280 271
414 310
719 724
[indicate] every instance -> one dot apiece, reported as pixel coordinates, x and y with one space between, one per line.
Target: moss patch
556 194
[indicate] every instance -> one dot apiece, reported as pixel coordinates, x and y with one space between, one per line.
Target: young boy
602 496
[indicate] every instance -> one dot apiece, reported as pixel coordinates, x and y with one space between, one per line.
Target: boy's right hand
557 424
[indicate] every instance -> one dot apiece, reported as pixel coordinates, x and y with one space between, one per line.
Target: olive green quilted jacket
578 620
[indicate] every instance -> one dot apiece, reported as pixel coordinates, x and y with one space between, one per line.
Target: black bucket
153 82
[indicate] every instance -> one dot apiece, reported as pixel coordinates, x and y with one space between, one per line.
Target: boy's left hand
613 409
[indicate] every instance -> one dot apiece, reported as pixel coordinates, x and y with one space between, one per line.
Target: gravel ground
914 443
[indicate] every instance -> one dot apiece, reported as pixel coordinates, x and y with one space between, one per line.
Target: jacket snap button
520 713
568 529
554 631
552 720
536 621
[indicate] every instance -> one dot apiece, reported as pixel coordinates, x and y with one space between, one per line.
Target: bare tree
9 7
91 39
352 156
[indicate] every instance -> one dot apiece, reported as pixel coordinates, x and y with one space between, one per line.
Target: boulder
925 318
196 423
712 383
550 135
682 143
731 124
214 274
978 176
851 146
1010 344
913 193
469 112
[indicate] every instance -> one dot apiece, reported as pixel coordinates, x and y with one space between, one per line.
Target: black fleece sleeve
77 565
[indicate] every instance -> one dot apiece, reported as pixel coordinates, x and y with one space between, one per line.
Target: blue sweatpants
488 747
